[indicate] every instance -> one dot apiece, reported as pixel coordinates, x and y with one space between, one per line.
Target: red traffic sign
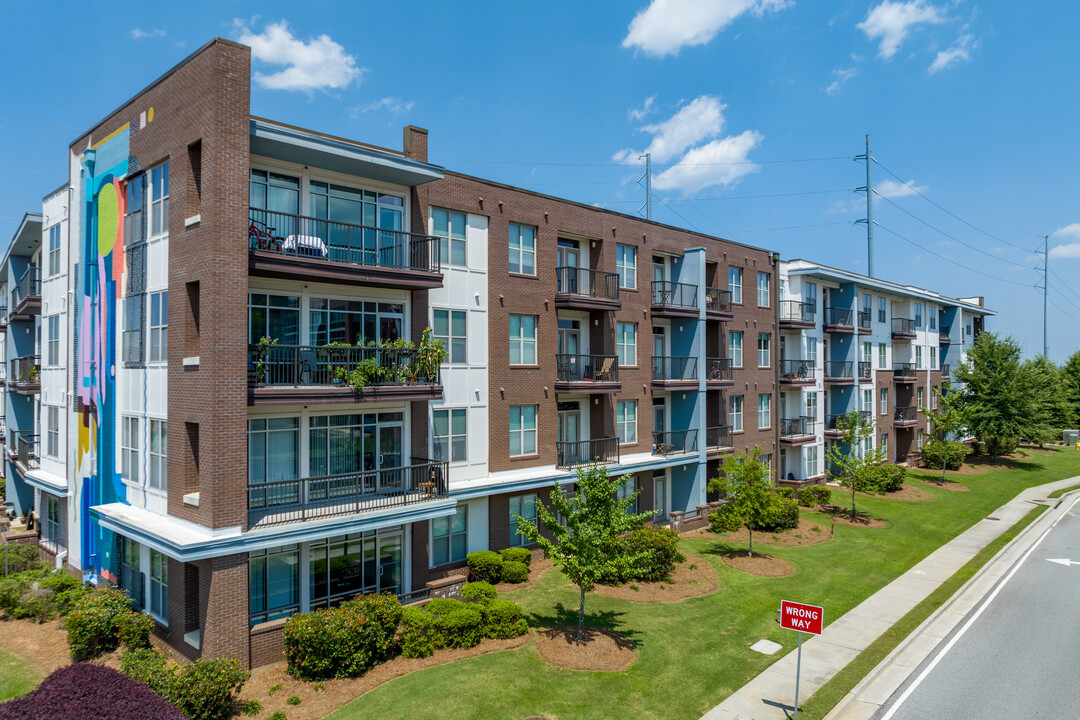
797 616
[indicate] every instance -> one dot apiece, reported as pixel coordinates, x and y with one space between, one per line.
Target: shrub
149 667
19 558
485 565
516 554
93 625
889 478
86 690
815 496
252 708
515 572
39 594
442 606
135 630
293 700
344 641
207 688
978 448
419 635
951 453
785 492
478 592
661 548
460 628
273 689
14 586
502 619
998 445
782 513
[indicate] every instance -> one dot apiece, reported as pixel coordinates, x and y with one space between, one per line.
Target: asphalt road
1019 658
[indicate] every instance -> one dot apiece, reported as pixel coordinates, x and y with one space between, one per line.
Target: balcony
718 304
943 336
25 452
864 322
903 328
287 501
718 440
590 374
840 372
904 372
945 371
865 371
797 431
797 372
839 320
832 427
26 296
585 452
675 442
796 315
906 417
674 372
312 375
672 299
3 315
310 249
25 375
584 289
718 373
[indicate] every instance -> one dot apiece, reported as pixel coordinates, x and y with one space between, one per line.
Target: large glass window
53 357
735 347
159 585
273 449
931 311
341 567
811 296
881 309
626 265
522 430
129 448
626 344
811 461
52 438
448 537
625 490
763 343
522 339
274 192
159 326
883 401
918 357
159 200
352 321
159 455
735 284
764 411
54 250
339 444
881 356
811 351
449 227
811 405
524 506
626 421
448 428
918 315
450 327
763 289
131 577
273 583
735 413
933 358
274 316
522 249
50 528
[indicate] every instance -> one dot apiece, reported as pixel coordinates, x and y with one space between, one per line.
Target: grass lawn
18 676
693 654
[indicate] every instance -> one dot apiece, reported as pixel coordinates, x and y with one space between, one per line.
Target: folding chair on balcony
305 366
606 370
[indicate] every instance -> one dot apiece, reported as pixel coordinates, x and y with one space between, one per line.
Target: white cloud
1068 250
394 105
700 119
639 115
666 26
891 21
961 52
842 75
318 64
139 34
721 162
893 189
1071 230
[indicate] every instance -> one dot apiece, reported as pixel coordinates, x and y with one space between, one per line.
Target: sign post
803 618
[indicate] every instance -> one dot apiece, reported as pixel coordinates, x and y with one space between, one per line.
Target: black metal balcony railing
903 326
796 427
587 368
674 368
718 437
340 242
943 334
26 369
840 369
832 424
797 369
865 368
674 442
795 311
587 283
717 300
906 414
903 370
3 313
838 316
672 294
306 365
864 319
301 499
29 285
27 448
717 369
944 370
583 452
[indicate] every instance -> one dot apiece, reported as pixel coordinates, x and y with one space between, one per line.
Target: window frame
53 343
883 401
129 448
522 341
882 356
882 310
263 557
159 586
450 437
159 331
54 250
515 232
763 276
158 475
158 200
627 426
764 352
437 558
457 346
523 431
735 347
736 408
519 500
627 272
624 349
735 275
447 239
52 431
764 411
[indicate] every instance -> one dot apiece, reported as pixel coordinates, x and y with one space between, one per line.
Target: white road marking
1063 561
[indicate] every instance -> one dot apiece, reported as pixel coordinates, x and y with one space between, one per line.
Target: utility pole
869 220
1046 290
647 177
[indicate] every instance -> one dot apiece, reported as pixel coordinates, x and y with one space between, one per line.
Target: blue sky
752 110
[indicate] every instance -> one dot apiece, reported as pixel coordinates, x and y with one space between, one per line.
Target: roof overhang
28 237
48 482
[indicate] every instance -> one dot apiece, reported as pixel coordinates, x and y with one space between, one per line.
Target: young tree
585 545
997 393
853 466
947 421
745 483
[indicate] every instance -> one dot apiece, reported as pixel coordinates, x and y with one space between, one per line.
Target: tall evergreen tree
998 394
1052 411
1070 376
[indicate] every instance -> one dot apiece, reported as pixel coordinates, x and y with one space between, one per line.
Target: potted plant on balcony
339 374
34 371
260 364
429 356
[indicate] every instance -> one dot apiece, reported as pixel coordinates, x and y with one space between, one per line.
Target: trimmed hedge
485 565
89 692
101 620
782 513
448 623
516 554
344 641
478 592
515 572
815 496
951 453
442 606
203 690
419 636
502 619
889 478
660 546
460 628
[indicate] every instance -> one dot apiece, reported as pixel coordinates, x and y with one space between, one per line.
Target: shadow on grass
1002 463
609 621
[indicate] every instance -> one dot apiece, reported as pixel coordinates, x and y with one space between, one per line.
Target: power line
32 172
1063 312
1064 283
663 202
733 197
446 161
39 124
1065 297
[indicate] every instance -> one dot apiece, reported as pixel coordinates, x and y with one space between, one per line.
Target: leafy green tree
1070 376
997 393
585 544
1052 411
746 484
947 421
849 460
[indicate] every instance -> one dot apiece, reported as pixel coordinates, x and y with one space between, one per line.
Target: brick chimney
415 143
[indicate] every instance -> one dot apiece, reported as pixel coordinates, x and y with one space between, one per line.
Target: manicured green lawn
693 654
18 676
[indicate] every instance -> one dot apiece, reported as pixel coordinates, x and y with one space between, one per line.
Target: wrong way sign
797 616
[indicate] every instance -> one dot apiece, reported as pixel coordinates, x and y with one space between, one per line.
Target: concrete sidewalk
770 695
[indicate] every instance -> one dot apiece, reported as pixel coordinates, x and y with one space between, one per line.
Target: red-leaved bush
89 692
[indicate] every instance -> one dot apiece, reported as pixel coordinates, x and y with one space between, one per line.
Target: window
735 413
525 507
626 344
920 439
273 449
933 358
159 585
811 351
450 328
626 421
885 444
883 401
53 358
764 411
867 352
626 490
273 583
867 305
626 265
159 200
522 430
159 326
933 398
734 281
347 321
131 577
52 440
811 296
342 567
763 289
763 349
449 227
281 194
811 461
522 249
918 316
448 429
347 443
932 312
918 357
50 529
278 317
868 400
881 309
811 405
735 347
54 250
522 339
159 455
448 536
766 459
967 326
129 448
920 397
881 356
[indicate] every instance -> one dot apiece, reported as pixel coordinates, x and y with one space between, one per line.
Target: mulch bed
908 493
537 567
44 645
804 534
947 485
843 516
760 565
600 650
692 578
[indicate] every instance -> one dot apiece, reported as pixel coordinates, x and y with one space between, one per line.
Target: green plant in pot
34 371
336 361
264 350
429 356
